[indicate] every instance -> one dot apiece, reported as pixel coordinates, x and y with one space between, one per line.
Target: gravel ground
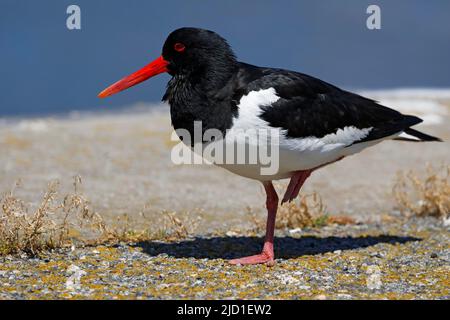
400 260
124 161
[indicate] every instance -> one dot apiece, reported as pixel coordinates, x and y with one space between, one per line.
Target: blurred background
48 69
66 154
53 126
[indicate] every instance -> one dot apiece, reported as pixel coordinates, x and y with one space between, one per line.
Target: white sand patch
37 125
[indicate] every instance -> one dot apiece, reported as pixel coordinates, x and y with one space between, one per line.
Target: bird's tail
416 136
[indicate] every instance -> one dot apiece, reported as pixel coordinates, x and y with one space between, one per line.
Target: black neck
207 78
203 95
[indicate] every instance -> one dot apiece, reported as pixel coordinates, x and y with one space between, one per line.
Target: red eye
179 47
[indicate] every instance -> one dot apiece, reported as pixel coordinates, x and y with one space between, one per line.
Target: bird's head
189 52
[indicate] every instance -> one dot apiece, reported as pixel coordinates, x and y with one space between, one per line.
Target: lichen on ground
402 260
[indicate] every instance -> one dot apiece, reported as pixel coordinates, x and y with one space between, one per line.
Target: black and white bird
317 123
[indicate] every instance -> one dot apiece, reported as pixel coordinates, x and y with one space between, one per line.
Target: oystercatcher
317 123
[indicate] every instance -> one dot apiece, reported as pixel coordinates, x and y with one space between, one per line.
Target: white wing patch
347 135
341 138
249 118
250 109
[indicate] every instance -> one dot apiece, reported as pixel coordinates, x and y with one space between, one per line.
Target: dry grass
429 196
49 226
170 227
59 222
308 211
175 227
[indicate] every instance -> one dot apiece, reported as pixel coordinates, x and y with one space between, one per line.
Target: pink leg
297 181
267 255
292 184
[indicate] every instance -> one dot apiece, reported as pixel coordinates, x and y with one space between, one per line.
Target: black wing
311 107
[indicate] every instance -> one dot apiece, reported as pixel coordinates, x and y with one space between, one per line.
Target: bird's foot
264 257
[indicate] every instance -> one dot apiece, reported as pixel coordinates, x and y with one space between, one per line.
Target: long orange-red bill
152 69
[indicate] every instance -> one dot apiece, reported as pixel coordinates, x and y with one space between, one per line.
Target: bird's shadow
286 247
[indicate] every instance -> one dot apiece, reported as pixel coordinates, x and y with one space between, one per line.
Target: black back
208 84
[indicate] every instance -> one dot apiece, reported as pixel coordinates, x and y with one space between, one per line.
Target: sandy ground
124 161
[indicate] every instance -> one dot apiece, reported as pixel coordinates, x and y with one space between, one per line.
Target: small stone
295 231
304 287
73 281
446 222
373 280
231 233
288 279
270 263
344 296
